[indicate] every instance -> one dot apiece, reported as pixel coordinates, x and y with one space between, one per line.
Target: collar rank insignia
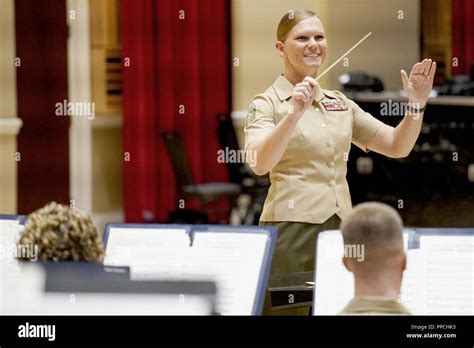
334 105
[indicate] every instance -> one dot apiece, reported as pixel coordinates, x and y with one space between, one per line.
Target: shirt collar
284 88
375 304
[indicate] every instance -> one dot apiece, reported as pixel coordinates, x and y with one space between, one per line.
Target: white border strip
79 87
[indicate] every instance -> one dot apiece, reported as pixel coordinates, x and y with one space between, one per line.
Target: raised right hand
302 96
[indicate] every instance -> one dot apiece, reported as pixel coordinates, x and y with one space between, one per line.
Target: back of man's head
376 230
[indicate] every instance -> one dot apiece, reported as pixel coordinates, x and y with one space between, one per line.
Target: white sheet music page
413 285
449 274
334 284
9 231
234 261
150 253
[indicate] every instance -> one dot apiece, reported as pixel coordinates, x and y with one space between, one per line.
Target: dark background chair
253 185
186 188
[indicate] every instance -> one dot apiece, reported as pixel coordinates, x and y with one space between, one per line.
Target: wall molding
10 125
80 132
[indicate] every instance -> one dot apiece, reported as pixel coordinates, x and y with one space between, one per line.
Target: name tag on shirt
334 105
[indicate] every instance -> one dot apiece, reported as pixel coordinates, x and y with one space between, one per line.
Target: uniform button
328 144
331 184
316 109
324 125
330 164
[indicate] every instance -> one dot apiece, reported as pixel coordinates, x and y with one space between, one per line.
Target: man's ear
404 261
345 262
280 48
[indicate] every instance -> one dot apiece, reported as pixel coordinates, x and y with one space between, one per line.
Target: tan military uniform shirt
309 183
374 305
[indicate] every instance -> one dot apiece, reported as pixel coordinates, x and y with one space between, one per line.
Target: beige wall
394 43
8 181
107 169
7 67
9 123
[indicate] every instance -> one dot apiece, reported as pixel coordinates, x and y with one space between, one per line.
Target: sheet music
9 268
413 290
334 284
232 260
142 248
439 278
10 231
448 275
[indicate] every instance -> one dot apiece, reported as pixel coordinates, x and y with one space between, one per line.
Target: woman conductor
302 135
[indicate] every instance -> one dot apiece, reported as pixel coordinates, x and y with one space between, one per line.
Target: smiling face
304 48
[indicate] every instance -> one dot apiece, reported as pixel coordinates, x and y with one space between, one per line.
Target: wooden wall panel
436 43
105 30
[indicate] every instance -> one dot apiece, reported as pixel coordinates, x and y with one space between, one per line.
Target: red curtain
463 35
43 142
176 53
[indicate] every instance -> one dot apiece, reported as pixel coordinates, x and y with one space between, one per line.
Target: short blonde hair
62 234
290 20
375 225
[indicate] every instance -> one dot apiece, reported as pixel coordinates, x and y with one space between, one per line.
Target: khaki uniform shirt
374 305
309 183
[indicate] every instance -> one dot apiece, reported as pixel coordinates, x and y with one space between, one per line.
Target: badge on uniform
334 105
251 114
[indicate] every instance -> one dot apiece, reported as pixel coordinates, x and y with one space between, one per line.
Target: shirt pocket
340 123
